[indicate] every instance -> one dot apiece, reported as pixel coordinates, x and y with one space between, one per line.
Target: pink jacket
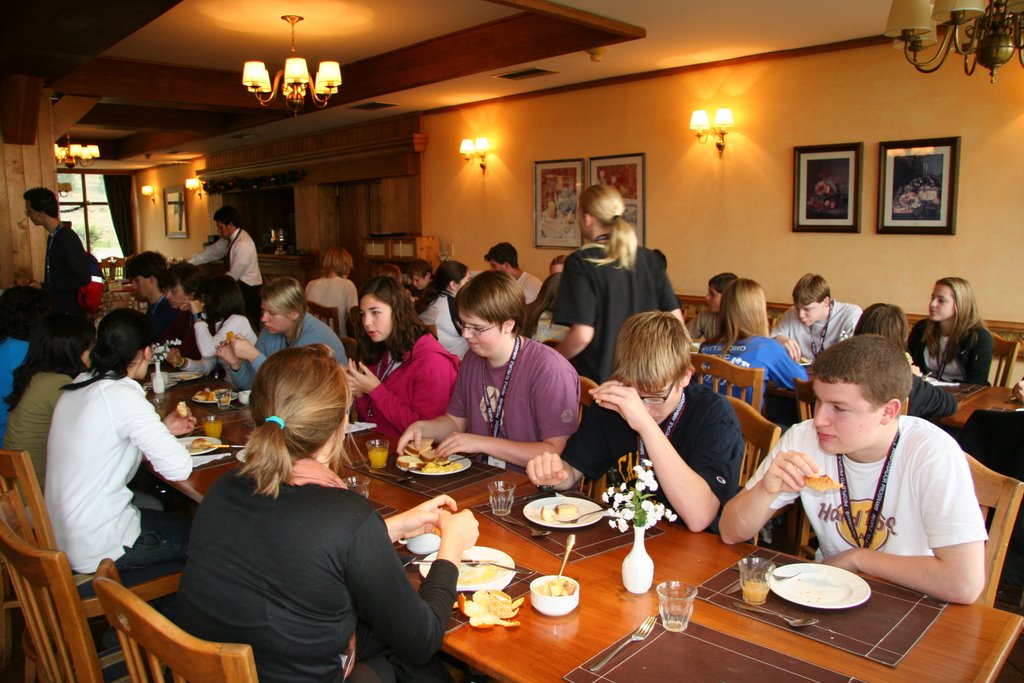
418 389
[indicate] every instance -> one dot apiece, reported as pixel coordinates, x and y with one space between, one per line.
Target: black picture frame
827 187
917 188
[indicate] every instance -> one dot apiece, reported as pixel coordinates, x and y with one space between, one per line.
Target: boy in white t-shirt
928 533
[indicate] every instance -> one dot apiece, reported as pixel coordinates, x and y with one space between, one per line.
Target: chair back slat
1004 355
759 435
325 314
999 497
747 384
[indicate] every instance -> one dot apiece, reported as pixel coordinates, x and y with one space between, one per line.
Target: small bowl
424 544
553 606
243 397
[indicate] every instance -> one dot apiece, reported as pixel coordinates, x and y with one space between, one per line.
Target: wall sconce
699 122
475 150
147 192
194 186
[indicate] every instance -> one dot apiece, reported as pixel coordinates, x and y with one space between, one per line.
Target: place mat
962 392
427 485
716 655
590 540
884 629
383 509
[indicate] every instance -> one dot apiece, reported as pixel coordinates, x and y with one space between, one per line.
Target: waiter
238 251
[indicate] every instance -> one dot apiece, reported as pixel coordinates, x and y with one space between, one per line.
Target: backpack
90 295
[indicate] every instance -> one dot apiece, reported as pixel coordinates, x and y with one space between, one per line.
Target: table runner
590 540
715 655
884 629
427 485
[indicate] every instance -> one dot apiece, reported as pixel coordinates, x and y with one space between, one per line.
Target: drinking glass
223 398
360 485
675 604
502 493
213 425
755 579
377 452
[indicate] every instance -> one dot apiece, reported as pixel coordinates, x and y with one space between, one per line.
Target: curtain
119 196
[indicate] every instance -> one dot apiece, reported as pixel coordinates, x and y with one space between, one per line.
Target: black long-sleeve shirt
67 269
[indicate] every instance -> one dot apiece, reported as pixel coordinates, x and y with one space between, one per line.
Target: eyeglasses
658 400
475 330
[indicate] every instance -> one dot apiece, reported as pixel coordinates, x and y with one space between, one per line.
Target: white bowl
553 606
243 397
423 544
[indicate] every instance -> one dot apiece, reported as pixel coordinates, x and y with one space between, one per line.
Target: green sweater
28 428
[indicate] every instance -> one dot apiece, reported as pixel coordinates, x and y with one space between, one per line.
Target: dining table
950 643
979 398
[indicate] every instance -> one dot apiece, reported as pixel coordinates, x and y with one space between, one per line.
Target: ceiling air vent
522 74
374 106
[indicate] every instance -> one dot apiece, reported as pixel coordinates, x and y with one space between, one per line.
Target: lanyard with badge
382 374
876 506
494 415
824 331
670 427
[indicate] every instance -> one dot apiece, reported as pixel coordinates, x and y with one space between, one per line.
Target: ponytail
121 335
604 204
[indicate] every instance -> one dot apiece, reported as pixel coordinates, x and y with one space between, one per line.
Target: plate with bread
424 460
480 576
197 445
555 511
210 396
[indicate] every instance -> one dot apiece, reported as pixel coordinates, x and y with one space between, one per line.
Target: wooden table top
967 642
989 398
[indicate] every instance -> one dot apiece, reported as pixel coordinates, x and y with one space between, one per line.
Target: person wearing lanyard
514 398
815 321
67 266
236 248
403 373
903 508
649 410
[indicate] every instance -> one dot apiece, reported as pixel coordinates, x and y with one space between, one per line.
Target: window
83 203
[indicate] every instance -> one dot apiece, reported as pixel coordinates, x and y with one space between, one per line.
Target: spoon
795 622
569 543
535 533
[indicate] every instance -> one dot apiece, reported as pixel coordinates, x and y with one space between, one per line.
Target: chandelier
986 32
75 155
293 79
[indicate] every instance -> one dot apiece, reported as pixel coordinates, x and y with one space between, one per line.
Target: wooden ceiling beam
147 119
67 111
576 16
141 144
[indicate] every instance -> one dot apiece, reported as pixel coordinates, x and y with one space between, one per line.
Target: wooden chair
592 488
1004 355
805 398
59 646
350 347
353 319
759 433
431 328
152 644
729 379
326 314
999 497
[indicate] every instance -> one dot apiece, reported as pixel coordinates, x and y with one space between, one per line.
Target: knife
476 563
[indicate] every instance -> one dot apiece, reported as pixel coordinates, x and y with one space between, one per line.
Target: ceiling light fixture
700 123
986 32
75 155
293 79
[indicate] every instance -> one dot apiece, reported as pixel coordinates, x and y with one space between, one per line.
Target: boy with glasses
649 410
816 321
514 398
900 504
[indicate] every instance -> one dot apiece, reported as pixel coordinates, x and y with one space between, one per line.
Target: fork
639 634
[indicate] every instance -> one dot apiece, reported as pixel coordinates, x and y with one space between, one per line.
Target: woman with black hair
20 309
103 425
404 374
222 313
57 352
437 306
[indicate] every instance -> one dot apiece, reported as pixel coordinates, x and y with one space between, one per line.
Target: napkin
360 427
198 460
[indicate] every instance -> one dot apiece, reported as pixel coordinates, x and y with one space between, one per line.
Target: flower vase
159 385
638 567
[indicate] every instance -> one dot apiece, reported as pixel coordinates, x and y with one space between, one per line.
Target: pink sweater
418 389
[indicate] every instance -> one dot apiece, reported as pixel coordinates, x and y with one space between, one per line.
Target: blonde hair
604 204
285 295
743 313
653 350
337 261
305 387
968 319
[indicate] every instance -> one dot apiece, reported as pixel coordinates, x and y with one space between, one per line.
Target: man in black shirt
67 268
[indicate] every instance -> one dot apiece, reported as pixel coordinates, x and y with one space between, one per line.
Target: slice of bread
565 512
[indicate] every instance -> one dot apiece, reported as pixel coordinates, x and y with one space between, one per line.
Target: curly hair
21 308
406 327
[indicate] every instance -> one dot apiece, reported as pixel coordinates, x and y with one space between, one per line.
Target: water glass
755 579
223 398
502 494
360 485
213 425
675 604
377 452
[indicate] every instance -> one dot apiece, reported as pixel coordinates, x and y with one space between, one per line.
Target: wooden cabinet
302 268
401 250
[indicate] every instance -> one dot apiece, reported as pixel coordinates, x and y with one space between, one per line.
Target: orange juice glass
213 425
377 451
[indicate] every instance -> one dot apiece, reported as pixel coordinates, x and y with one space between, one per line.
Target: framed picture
626 172
917 186
556 185
826 188
175 215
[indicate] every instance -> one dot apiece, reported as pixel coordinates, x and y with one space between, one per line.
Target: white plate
187 443
493 578
234 396
821 586
533 508
463 460
185 376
